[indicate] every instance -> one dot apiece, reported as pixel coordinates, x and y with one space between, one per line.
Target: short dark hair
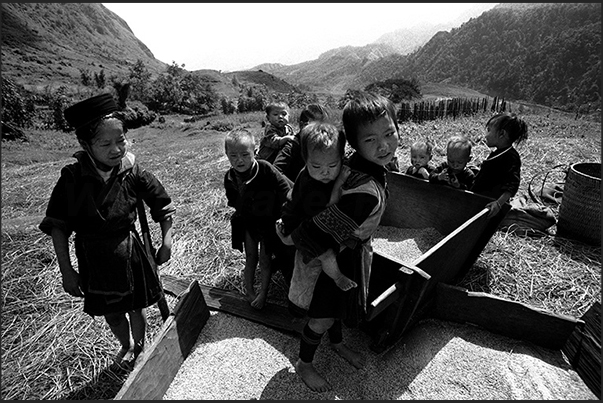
516 128
275 105
363 108
312 112
237 134
321 136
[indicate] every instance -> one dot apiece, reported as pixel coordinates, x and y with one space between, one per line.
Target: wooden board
232 302
158 365
502 316
416 203
583 349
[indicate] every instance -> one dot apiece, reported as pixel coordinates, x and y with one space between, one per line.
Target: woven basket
580 209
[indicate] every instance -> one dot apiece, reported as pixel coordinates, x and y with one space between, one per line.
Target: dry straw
51 350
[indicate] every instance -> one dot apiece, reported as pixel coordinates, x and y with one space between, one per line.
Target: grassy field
51 350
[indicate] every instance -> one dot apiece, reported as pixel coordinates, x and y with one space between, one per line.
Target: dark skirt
116 275
330 301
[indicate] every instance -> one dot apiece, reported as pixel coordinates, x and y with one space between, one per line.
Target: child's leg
251 262
265 273
120 327
336 339
138 323
331 268
310 340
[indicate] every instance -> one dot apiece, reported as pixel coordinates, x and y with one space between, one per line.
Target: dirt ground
238 359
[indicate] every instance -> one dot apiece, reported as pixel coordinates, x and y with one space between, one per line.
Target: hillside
50 43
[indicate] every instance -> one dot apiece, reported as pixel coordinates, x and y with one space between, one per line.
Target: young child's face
240 154
457 159
493 137
378 140
324 166
108 146
419 157
278 117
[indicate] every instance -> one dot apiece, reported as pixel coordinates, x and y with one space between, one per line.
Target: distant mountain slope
548 53
48 43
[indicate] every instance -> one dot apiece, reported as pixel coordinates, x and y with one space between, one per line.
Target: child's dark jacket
465 178
498 173
257 202
269 144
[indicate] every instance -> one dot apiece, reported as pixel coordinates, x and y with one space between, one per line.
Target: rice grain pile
238 359
405 244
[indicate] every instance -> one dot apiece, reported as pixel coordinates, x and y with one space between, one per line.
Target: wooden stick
148 246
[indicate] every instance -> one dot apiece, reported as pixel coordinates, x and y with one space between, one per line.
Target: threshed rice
405 244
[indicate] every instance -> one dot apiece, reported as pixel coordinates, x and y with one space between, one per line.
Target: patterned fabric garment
347 228
115 272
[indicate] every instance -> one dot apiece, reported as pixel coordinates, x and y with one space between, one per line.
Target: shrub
17 104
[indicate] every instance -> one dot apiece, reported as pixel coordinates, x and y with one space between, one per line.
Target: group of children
499 174
298 202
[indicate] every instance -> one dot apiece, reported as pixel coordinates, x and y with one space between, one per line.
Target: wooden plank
158 365
583 349
420 204
449 257
392 311
232 302
502 316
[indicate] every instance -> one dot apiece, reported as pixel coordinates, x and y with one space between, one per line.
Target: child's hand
493 207
341 178
453 181
280 228
163 254
423 172
71 283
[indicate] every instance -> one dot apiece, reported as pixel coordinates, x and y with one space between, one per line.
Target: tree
139 81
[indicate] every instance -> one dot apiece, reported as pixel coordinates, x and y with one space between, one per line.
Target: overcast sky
238 36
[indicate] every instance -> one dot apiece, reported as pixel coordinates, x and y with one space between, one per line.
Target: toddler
317 186
289 160
96 198
499 173
454 171
277 132
420 155
257 191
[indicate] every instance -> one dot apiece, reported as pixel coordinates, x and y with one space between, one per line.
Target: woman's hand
72 283
280 227
163 254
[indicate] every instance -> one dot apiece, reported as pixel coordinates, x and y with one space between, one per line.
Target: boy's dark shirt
465 178
257 201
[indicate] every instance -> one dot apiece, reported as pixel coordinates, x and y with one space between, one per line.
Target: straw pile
237 359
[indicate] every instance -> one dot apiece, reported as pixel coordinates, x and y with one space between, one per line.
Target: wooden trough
400 293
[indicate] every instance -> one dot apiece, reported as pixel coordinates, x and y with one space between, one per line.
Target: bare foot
351 356
259 301
251 296
345 283
119 357
311 377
